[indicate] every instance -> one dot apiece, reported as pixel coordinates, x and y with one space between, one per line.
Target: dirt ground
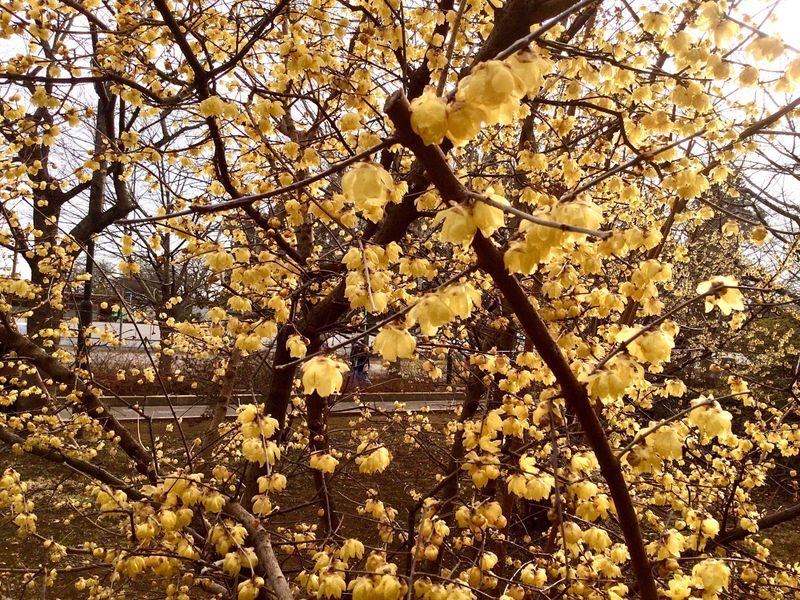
67 515
65 512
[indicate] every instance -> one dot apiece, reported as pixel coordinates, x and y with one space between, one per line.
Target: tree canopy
584 211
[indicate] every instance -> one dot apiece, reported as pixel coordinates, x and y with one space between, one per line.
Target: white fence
126 335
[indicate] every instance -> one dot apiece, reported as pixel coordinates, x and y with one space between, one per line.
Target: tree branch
491 260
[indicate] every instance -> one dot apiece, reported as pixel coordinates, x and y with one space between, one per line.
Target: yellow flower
213 502
216 314
262 505
482 468
389 588
362 588
213 106
240 304
219 261
531 487
666 442
350 121
254 451
369 187
216 188
581 212
232 563
393 343
488 218
517 484
249 590
323 375
709 527
266 329
652 346
461 298
670 545
596 538
709 15
793 71
168 520
127 245
727 300
40 97
134 565
759 235
296 346
429 117
730 228
374 461
255 447
247 413
725 32
331 585
711 420
323 462
491 84
655 22
712 576
533 577
519 259
767 48
249 342
680 587
749 76
463 122
529 68
488 561
459 227
610 382
431 312
274 483
351 549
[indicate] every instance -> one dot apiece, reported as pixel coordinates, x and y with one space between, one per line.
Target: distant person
359 359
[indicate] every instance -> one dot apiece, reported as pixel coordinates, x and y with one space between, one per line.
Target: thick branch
267 561
85 467
12 341
222 402
771 520
491 260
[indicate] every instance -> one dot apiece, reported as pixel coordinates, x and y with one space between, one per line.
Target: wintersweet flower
323 375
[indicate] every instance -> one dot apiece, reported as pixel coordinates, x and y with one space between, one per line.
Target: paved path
194 412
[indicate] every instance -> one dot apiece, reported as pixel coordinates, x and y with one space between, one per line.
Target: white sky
787 21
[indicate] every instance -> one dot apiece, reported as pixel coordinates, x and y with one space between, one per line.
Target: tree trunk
317 406
222 403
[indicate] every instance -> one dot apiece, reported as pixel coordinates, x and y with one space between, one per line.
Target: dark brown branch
85 467
12 341
771 520
491 260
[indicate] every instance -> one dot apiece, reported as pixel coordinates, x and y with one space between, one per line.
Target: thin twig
375 327
538 220
246 200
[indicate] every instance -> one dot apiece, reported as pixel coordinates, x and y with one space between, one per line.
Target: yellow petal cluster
491 94
394 342
541 242
370 187
323 375
727 299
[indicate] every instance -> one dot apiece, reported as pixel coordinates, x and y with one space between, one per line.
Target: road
195 412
